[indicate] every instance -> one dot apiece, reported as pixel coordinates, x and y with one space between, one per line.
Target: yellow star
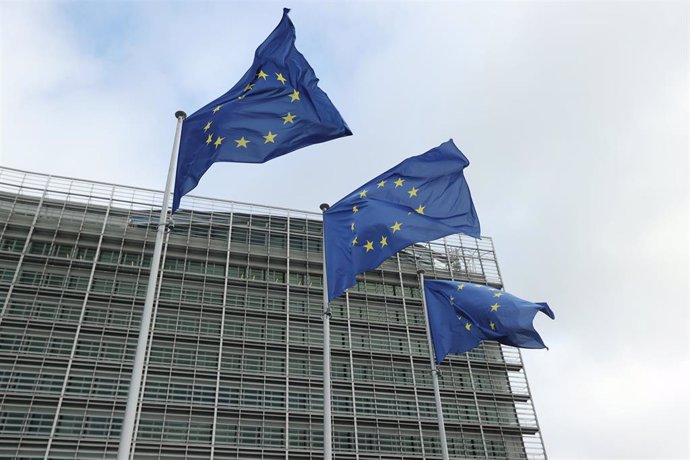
209 139
461 287
354 242
242 142
413 192
217 108
289 118
280 78
294 96
219 141
495 307
396 226
498 294
452 299
207 127
420 209
355 209
262 74
363 194
270 137
399 182
492 325
468 326
381 184
369 246
384 241
352 226
248 87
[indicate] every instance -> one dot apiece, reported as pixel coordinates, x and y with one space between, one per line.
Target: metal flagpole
327 454
145 326
434 372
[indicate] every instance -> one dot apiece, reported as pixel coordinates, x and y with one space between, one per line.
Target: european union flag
421 199
276 107
462 315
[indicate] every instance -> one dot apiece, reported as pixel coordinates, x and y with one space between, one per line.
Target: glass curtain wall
235 362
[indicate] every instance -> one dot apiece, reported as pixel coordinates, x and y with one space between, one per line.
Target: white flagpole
327 444
434 371
138 365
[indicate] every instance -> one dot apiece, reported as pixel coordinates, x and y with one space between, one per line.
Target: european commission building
234 367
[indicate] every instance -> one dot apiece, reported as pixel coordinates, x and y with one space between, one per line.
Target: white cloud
598 405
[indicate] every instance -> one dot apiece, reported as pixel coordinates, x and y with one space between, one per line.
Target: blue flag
421 199
462 315
275 108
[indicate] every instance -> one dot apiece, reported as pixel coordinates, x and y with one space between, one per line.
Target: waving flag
275 108
423 198
462 315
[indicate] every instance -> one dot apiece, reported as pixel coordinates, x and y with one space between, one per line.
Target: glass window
195 266
258 238
298 279
277 240
215 269
62 250
239 235
131 259
109 256
78 282
199 231
256 302
226 431
39 247
236 272
30 277
11 244
257 274
54 280
275 303
298 242
85 253
102 285
276 276
6 274
313 244
315 280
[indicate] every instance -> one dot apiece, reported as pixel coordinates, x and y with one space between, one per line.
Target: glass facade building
234 368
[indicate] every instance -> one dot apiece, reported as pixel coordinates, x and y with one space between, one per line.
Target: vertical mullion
352 373
287 334
411 357
222 332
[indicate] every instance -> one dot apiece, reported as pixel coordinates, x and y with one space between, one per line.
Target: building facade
234 368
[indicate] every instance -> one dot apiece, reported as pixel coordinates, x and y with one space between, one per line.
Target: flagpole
138 365
327 444
434 371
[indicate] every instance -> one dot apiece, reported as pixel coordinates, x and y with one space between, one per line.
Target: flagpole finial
324 207
180 115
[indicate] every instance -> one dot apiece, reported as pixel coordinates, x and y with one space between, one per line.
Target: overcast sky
574 117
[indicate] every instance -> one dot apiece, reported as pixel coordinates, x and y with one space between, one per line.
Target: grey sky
574 117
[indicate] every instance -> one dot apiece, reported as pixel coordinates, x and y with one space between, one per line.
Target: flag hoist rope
145 326
434 372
